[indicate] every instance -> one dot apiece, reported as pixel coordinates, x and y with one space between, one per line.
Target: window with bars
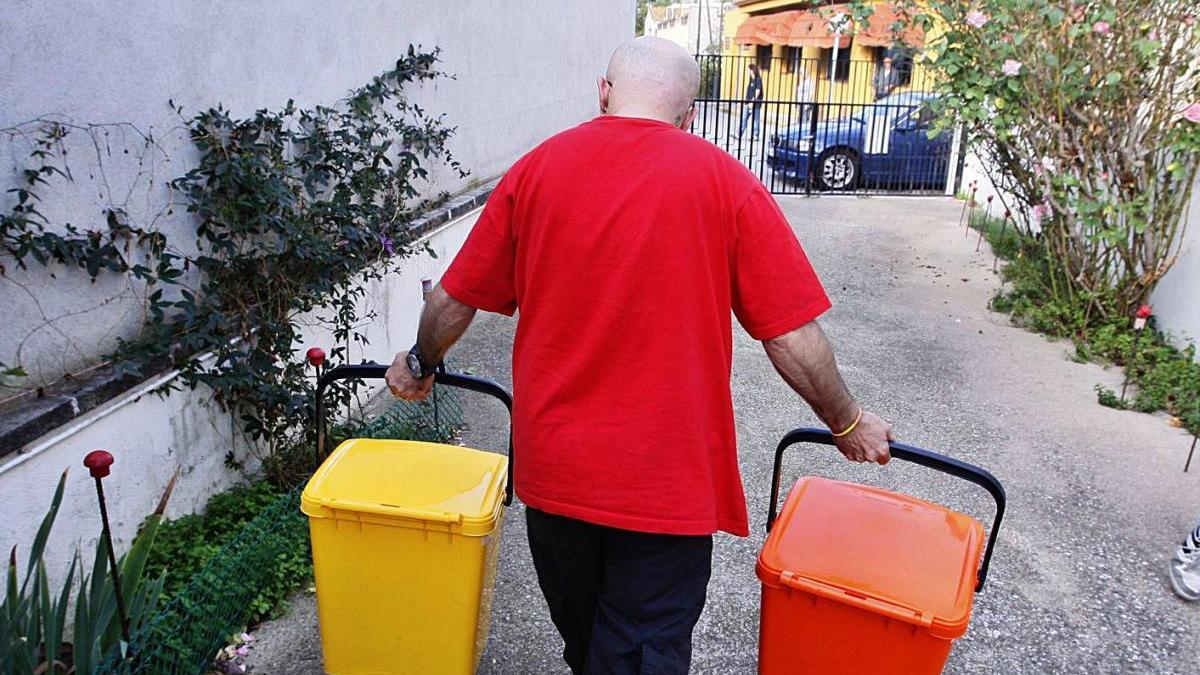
763 56
791 59
842 71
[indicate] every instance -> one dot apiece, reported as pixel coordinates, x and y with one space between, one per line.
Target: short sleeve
482 274
775 289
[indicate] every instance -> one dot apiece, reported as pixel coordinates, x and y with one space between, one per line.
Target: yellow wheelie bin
405 538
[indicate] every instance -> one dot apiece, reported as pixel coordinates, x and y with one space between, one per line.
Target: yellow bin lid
407 481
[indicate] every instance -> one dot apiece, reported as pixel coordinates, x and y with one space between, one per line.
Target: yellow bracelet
852 425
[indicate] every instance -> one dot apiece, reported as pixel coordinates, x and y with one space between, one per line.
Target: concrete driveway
1097 497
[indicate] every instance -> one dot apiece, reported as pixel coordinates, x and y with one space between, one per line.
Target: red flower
315 356
1144 312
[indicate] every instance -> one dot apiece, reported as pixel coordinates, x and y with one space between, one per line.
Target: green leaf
83 636
43 532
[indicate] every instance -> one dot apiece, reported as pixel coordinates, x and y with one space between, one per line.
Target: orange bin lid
884 552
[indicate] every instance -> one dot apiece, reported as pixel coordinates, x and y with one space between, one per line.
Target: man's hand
443 321
401 382
869 440
805 360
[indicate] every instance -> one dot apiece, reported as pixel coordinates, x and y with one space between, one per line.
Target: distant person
626 246
806 94
754 97
886 79
1185 567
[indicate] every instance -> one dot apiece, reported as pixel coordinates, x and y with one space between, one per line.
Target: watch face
414 365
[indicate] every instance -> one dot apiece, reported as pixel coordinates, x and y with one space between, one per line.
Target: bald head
652 77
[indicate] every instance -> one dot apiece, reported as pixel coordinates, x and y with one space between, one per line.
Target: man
806 94
626 242
754 97
886 79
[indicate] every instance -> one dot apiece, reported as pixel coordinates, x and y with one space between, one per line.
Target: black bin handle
374 371
909 453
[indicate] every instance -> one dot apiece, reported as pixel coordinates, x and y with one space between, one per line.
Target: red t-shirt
625 243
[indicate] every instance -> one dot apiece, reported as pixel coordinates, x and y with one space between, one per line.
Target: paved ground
1097 496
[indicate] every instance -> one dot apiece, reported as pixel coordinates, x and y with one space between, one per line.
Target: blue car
885 143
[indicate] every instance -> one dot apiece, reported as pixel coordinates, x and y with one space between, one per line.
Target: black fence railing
864 132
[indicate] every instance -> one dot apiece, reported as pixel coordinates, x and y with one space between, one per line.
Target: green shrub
1164 378
1109 398
34 634
185 545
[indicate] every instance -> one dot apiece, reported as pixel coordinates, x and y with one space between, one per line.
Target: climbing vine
296 210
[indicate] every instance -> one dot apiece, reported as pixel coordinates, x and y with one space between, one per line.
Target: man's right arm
805 360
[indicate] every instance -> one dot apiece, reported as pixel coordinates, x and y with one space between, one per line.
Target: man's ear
686 122
603 89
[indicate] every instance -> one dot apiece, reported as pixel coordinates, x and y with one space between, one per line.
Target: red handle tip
315 356
98 463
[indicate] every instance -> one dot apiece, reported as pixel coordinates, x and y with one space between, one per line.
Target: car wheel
838 169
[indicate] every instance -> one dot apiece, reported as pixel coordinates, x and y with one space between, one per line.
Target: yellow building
792 42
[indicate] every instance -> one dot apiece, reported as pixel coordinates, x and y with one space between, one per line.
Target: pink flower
1047 164
1144 312
1040 213
1192 113
977 19
1101 27
1011 67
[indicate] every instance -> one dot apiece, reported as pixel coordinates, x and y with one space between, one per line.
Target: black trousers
624 602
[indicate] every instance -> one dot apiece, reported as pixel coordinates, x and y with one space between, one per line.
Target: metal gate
812 133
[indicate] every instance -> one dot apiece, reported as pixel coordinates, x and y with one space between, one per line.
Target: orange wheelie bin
859 579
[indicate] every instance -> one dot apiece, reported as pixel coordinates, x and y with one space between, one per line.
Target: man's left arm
805 360
443 322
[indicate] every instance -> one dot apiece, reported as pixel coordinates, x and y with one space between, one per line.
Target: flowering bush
1088 112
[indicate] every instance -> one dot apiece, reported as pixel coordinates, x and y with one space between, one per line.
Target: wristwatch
416 365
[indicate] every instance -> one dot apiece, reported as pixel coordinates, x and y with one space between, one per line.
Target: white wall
974 171
523 72
1177 299
150 436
